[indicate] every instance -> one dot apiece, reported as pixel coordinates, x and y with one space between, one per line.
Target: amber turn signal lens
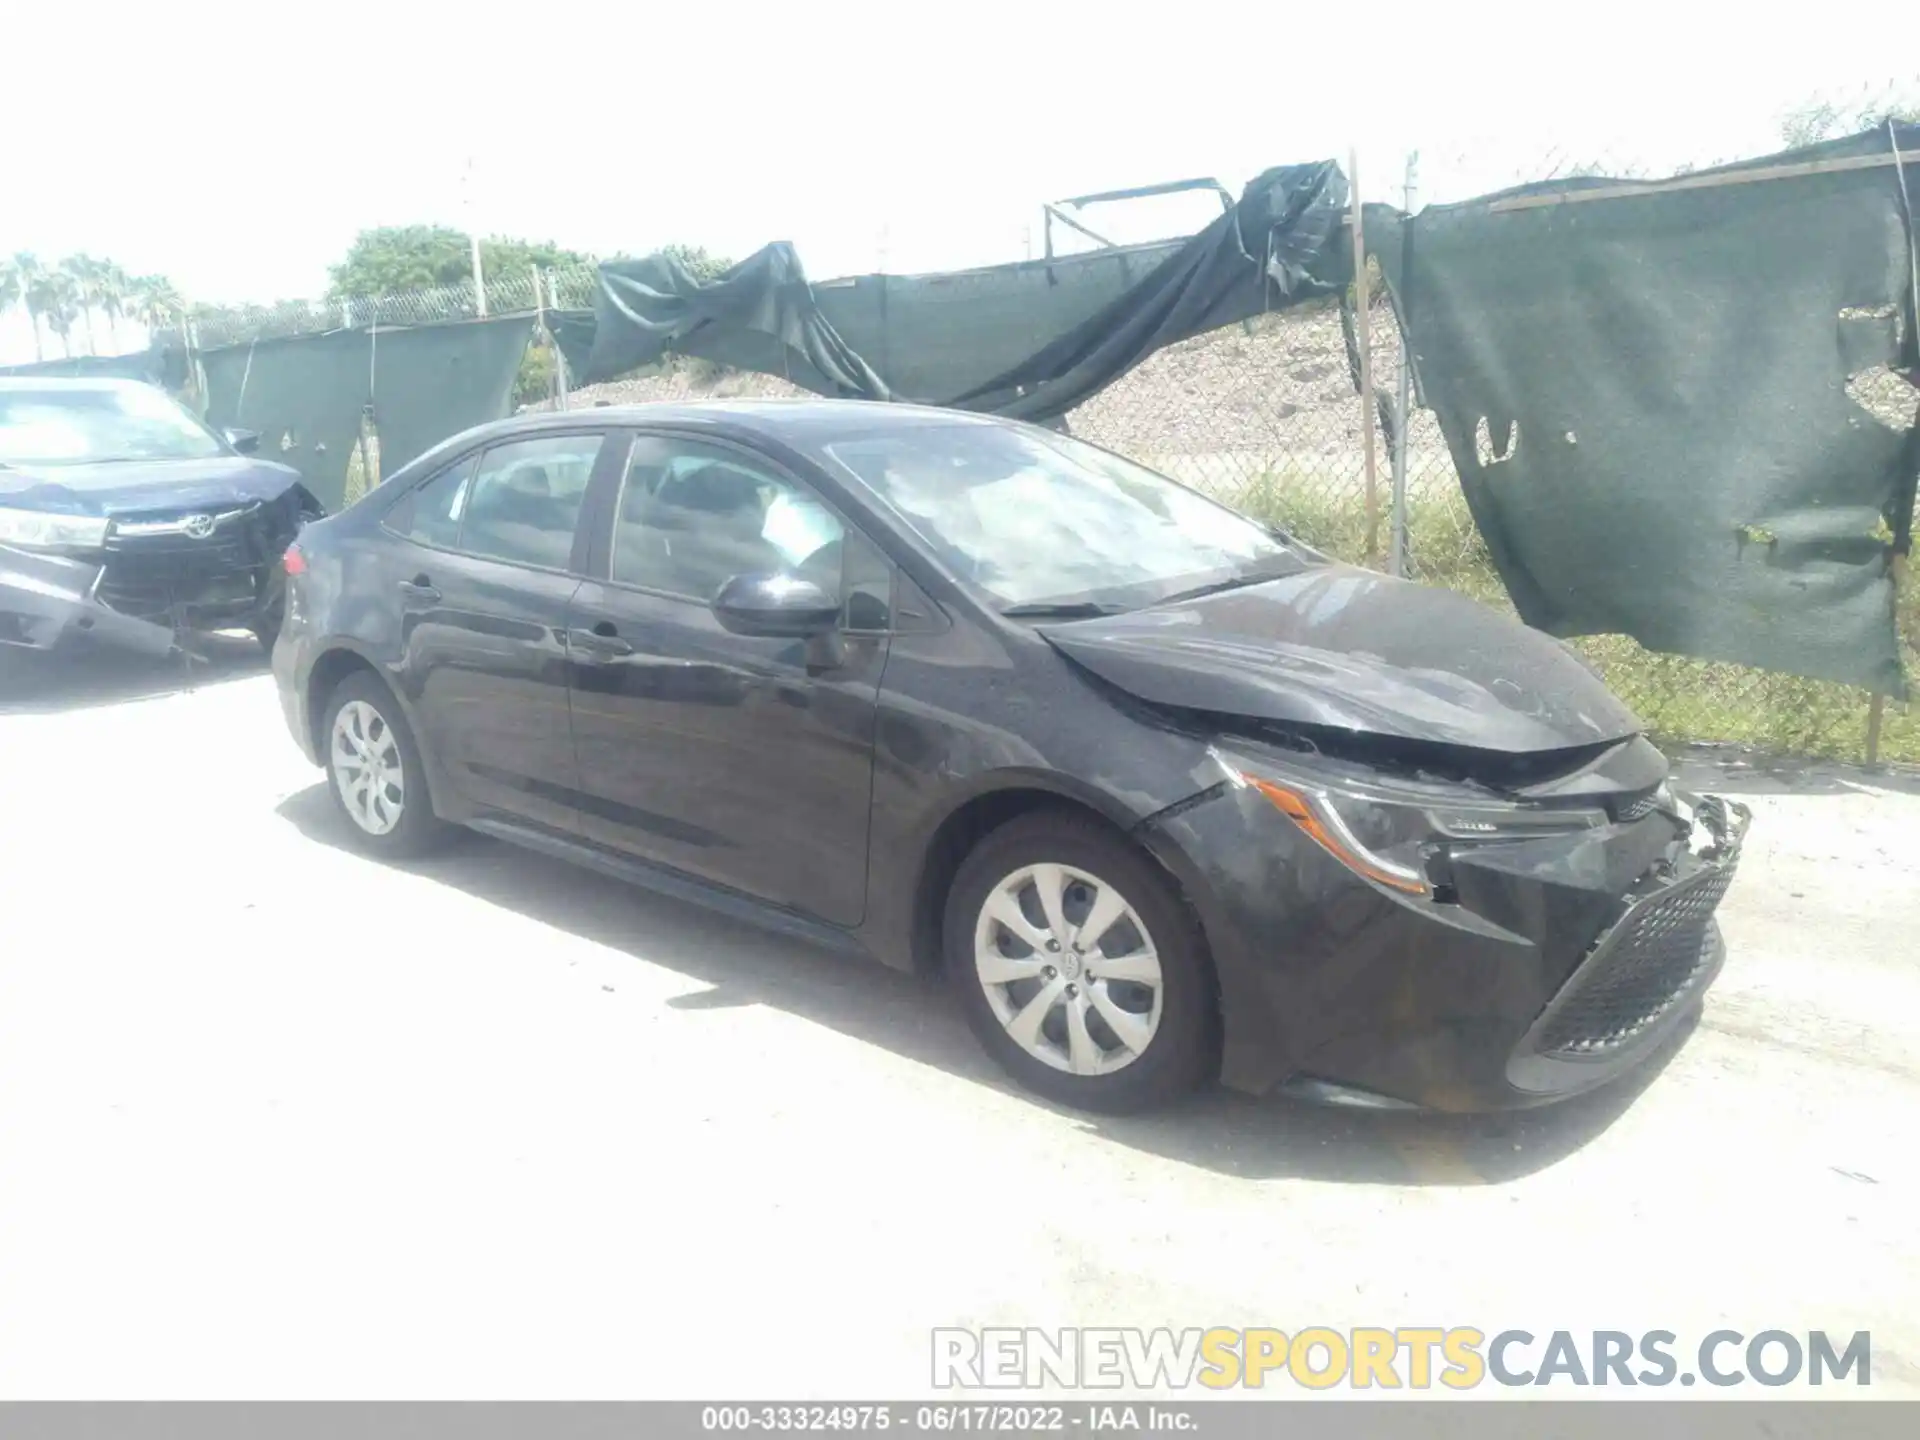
1330 837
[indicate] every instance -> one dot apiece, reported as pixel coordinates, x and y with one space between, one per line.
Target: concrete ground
277 1121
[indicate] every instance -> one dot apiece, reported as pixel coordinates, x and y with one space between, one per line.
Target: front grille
155 570
1638 970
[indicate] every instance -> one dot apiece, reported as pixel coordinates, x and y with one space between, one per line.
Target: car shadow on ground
912 1017
82 675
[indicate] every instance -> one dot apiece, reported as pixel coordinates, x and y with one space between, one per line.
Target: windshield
1037 519
81 427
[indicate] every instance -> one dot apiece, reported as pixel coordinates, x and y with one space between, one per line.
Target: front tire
1079 966
374 771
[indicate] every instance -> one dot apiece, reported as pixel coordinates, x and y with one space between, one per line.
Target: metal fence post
1403 411
1877 705
1361 305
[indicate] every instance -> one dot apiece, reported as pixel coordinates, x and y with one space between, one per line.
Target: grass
1681 699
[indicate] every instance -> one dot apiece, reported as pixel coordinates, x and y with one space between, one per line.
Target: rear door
744 761
484 585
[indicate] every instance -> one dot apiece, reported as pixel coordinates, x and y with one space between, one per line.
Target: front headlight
1387 838
38 530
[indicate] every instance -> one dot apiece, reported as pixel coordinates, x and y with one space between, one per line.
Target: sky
238 148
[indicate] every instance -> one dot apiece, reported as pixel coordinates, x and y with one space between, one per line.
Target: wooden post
1362 306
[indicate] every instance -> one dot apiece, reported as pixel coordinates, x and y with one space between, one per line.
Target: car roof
808 420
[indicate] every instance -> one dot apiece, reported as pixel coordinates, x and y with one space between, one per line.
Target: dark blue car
124 517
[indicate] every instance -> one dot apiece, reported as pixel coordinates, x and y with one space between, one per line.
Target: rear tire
1079 966
374 771
266 631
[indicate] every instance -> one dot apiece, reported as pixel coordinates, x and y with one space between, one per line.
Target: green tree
397 258
534 382
394 259
1819 120
701 265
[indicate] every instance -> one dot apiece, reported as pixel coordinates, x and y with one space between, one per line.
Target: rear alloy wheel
1079 966
374 770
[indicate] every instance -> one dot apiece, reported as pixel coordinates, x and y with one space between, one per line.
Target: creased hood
136 485
1352 650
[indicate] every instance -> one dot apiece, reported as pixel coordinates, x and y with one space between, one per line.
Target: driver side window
692 516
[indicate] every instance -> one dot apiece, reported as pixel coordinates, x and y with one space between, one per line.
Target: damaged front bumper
44 598
1648 968
1552 965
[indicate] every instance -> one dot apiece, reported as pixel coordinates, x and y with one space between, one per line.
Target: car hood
1348 649
136 485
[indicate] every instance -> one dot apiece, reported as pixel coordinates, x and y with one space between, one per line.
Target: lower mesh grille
1639 970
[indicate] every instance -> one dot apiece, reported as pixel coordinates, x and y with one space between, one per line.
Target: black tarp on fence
306 395
1031 340
1647 397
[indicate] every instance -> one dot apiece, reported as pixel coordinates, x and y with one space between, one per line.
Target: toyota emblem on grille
198 526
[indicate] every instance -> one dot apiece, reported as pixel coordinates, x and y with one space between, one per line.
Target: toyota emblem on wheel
198 526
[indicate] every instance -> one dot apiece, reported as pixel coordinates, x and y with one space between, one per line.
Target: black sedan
1166 794
124 518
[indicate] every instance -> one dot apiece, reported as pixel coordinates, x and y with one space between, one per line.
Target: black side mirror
776 605
244 441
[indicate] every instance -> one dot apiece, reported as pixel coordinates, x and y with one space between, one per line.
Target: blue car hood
127 486
1346 649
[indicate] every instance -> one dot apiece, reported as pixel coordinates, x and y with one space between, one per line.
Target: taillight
294 562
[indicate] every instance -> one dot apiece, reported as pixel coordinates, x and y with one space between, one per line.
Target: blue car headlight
42 530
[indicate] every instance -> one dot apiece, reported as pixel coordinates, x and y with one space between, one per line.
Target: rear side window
526 499
518 502
431 514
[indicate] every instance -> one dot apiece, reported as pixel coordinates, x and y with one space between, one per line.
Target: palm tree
113 292
91 282
29 277
153 301
56 295
10 286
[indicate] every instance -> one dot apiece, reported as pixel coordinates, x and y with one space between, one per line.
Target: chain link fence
513 293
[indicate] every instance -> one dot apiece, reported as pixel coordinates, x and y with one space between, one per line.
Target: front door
485 589
743 761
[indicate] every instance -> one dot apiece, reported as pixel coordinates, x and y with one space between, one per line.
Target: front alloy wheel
1069 969
1079 965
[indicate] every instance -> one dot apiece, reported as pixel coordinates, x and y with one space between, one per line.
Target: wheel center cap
1070 964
